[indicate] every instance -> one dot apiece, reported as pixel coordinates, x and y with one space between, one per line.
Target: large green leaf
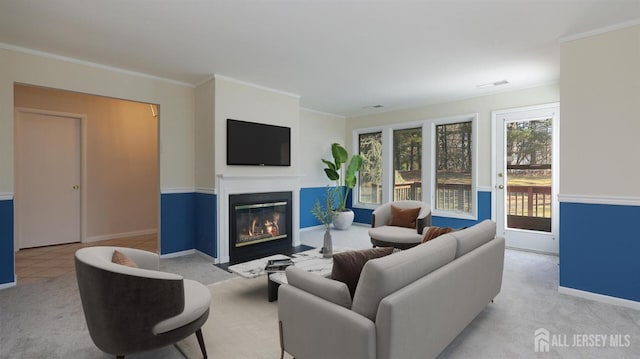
339 154
330 165
332 174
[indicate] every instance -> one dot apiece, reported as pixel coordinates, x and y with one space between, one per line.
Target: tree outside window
454 167
407 164
370 181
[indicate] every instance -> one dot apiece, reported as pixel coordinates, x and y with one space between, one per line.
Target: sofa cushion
395 234
347 266
328 289
433 232
473 237
121 258
403 217
383 276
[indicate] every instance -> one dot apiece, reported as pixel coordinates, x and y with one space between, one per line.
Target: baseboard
178 254
9 285
321 226
121 235
213 259
600 298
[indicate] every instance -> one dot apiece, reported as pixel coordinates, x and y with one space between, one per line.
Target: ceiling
339 56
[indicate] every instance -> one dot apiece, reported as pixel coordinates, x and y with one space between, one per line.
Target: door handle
76 187
500 186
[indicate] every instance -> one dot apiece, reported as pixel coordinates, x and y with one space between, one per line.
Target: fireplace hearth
259 225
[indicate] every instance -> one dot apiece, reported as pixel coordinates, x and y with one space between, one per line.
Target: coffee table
310 260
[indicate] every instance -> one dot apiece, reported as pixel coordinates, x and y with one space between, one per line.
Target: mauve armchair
131 310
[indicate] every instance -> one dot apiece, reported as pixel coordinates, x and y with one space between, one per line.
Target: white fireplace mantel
239 184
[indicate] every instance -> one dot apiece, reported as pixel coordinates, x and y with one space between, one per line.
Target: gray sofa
409 304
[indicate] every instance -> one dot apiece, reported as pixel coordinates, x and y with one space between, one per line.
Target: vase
327 246
343 220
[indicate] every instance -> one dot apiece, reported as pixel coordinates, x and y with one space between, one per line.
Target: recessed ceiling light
493 84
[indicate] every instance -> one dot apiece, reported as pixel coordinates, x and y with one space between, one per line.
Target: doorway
119 189
525 176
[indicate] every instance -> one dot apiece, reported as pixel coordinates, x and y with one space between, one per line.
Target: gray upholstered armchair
384 234
130 310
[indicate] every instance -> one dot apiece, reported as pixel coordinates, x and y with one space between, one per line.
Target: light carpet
242 322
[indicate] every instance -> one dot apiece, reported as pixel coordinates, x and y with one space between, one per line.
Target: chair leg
281 339
201 342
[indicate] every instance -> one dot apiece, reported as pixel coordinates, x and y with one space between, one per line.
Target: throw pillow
434 232
404 217
121 258
347 266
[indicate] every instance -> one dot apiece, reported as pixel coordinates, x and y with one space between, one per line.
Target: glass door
525 177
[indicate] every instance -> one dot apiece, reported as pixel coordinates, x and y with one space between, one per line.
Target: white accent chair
384 235
130 310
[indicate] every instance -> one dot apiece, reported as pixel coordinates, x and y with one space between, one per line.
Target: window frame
428 162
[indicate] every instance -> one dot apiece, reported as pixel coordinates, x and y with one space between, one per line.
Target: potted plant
344 216
325 214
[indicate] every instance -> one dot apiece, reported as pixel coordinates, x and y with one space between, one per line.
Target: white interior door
525 177
48 156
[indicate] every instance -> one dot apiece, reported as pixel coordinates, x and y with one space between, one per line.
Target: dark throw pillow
434 232
347 266
404 217
121 258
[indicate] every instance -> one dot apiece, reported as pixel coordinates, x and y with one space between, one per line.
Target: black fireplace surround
259 225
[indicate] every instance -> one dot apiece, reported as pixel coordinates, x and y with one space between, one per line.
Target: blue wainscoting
7 274
600 249
206 217
177 222
308 197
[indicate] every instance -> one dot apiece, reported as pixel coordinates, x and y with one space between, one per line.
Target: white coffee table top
254 268
310 261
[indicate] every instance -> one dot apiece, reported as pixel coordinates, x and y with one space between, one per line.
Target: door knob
500 186
76 187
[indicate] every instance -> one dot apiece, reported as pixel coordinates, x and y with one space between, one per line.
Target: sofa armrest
312 327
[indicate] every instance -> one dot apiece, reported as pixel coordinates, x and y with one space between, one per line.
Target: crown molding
91 64
260 87
602 30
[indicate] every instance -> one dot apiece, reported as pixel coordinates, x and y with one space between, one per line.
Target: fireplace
259 225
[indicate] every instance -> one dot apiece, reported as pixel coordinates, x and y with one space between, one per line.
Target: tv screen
258 144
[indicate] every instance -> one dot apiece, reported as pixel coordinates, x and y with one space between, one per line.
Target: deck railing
529 201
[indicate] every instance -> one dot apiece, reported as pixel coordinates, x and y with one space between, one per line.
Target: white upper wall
600 114
246 102
205 163
176 102
317 132
483 106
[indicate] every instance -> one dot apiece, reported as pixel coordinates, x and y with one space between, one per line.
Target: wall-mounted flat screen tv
258 144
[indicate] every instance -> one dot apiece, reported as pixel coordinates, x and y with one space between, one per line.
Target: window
370 182
453 175
432 161
407 164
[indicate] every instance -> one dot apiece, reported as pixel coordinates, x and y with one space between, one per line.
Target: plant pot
343 220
